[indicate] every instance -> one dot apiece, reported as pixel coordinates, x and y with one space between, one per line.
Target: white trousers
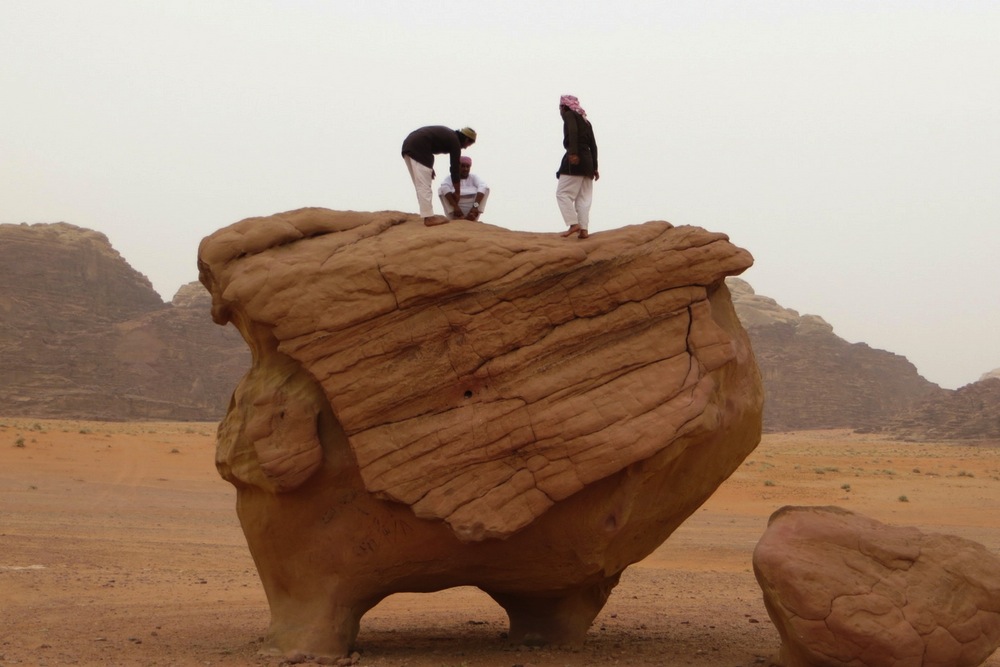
574 195
465 203
422 178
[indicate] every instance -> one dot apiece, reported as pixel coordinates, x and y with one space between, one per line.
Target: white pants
422 178
574 196
465 203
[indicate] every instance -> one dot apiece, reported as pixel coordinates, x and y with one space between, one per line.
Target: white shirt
470 186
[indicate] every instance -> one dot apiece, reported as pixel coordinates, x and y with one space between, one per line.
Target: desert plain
119 545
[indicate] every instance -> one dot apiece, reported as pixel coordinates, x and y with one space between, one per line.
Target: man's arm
593 151
455 153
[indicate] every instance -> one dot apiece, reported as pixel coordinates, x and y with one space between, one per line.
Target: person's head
465 165
572 103
467 136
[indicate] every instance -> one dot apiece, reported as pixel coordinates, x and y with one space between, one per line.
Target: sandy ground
119 545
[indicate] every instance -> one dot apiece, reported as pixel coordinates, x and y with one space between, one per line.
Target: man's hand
473 215
597 175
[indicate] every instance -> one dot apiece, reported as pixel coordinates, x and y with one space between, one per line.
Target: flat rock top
475 368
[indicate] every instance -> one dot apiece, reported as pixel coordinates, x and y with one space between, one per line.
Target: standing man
473 197
419 149
578 169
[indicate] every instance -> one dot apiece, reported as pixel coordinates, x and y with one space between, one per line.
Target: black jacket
578 139
424 143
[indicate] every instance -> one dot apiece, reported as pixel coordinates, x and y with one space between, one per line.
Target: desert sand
119 545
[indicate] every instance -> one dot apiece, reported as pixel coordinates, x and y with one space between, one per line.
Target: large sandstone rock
466 405
815 379
843 589
84 336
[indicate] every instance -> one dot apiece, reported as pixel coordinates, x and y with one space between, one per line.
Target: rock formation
85 336
466 405
843 589
815 379
971 412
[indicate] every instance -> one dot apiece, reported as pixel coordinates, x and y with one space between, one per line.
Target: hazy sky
853 147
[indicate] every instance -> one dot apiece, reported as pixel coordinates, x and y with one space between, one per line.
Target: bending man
419 149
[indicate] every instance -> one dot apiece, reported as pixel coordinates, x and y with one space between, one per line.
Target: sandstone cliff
83 335
971 412
815 379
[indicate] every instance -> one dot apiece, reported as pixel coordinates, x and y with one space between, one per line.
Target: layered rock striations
814 379
85 336
466 405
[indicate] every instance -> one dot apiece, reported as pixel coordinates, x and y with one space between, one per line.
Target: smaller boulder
844 589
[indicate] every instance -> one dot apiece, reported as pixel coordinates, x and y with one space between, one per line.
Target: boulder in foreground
843 589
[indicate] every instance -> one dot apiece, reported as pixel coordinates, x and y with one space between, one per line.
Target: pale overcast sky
853 147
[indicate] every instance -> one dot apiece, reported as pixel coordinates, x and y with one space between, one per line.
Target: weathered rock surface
844 589
84 336
815 379
466 405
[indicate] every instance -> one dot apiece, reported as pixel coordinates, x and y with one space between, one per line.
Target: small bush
845 487
19 442
904 499
768 482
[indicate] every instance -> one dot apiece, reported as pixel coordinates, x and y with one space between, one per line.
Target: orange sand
119 545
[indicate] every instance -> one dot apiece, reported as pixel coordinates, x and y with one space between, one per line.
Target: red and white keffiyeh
573 104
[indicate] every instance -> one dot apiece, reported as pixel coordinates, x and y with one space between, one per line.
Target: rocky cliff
971 412
83 335
815 379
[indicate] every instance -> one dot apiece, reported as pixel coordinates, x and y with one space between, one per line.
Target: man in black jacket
419 149
578 169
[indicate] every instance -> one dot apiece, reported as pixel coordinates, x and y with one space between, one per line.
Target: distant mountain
995 373
84 336
971 412
815 379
